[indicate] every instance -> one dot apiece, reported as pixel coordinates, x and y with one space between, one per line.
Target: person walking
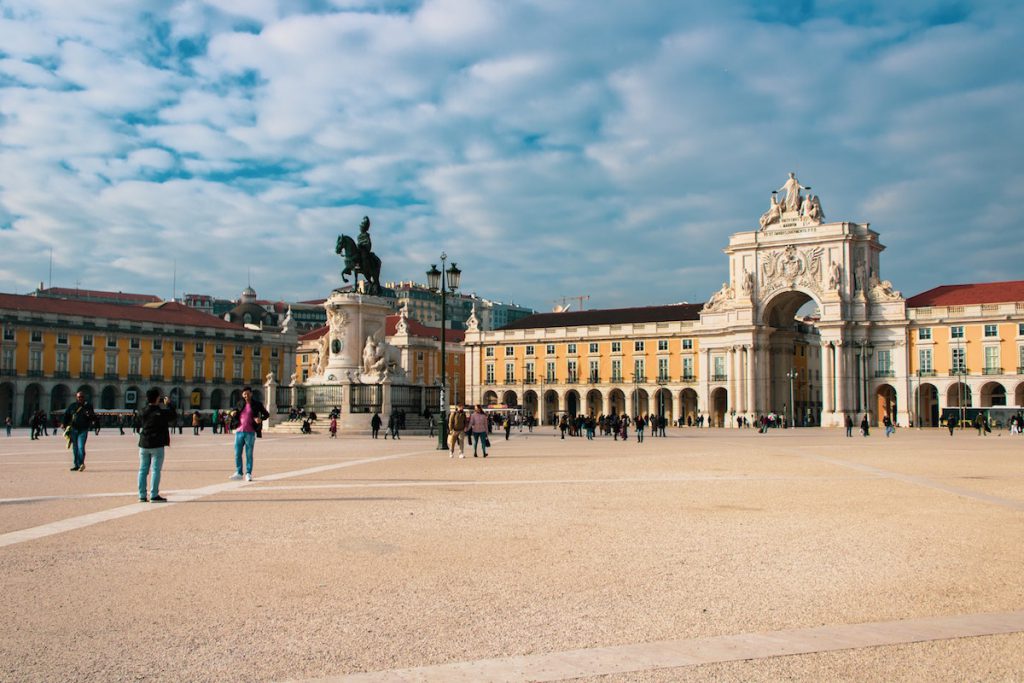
393 427
375 423
638 425
247 422
7 424
508 426
848 421
951 425
78 418
154 437
865 426
333 429
478 426
889 428
196 420
457 431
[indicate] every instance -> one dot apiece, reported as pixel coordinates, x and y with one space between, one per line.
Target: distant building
425 305
96 296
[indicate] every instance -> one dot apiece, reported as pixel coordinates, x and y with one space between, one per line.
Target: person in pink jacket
478 428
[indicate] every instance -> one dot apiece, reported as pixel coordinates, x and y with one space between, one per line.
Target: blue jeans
147 456
78 437
248 440
478 438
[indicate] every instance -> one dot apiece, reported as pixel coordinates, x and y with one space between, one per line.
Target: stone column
270 391
730 386
608 402
841 383
677 406
826 382
751 407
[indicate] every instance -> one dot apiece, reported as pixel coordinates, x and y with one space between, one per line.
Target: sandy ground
355 555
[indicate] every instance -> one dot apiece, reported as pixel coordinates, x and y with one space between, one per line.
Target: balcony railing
86 374
1020 369
112 376
156 378
639 379
663 378
688 378
178 379
487 382
198 380
992 371
61 374
926 373
594 379
218 380
885 373
616 379
134 377
958 371
510 380
719 378
35 373
237 380
572 379
530 380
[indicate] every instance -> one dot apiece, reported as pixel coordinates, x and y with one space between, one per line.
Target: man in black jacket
154 436
78 418
247 421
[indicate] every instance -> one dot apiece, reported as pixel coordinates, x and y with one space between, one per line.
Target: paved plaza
719 555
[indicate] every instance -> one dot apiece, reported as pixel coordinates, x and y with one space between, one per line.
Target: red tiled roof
124 297
418 329
315 334
162 313
608 316
965 295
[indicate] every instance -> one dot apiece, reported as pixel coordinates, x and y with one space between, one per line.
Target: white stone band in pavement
82 521
671 654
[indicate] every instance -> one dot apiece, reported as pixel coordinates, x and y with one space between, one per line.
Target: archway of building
617 400
688 399
1018 395
793 372
236 396
993 394
60 397
926 406
108 397
641 402
572 403
530 404
216 399
719 404
177 397
885 404
510 398
33 398
133 397
595 403
663 404
257 394
87 392
490 398
7 401
550 408
954 393
195 398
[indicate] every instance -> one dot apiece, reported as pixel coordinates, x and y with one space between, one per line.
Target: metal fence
322 399
432 398
365 398
407 398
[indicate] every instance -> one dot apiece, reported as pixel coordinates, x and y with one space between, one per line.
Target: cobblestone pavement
708 555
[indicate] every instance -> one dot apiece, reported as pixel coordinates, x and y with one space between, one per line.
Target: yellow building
52 348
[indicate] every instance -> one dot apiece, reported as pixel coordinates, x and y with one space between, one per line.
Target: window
111 365
35 360
687 344
550 349
156 364
257 351
956 332
236 368
510 373
37 336
489 376
572 349
924 333
218 368
510 350
238 350
593 347
86 340
992 365
179 347
134 343
158 344
1020 329
594 374
958 364
688 368
489 352
179 367
884 363
1020 359
638 346
111 342
273 352
662 369
7 360
62 338
924 361
197 366
200 347
218 349
531 377
529 349
572 371
639 373
719 374
8 334
616 370
87 363
991 330
663 344
616 347
549 371
133 364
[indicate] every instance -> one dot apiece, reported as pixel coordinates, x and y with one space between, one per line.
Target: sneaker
452 454
462 455
81 468
157 499
75 468
248 476
142 499
236 475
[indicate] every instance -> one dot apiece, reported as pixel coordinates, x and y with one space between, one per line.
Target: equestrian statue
359 259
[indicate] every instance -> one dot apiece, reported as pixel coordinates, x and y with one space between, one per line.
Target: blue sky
550 147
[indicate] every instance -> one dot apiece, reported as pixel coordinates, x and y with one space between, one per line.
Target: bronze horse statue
355 263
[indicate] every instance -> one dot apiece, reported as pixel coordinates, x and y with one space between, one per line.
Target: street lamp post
443 281
961 366
792 375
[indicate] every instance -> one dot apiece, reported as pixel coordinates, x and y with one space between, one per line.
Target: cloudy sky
551 147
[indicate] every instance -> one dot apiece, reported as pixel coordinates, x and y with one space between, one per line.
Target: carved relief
720 299
792 267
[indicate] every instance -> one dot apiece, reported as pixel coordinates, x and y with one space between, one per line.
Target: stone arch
178 398
779 310
719 405
32 402
7 401
663 404
236 397
572 403
1018 395
490 398
641 402
60 397
690 406
109 397
926 406
782 336
199 394
510 398
550 408
216 399
617 400
993 394
87 392
595 403
885 403
955 391
530 403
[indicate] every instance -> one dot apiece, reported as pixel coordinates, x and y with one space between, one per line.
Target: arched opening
236 397
108 397
510 399
993 394
33 402
530 404
663 405
641 402
719 403
885 404
177 397
594 403
257 394
958 395
60 397
927 406
216 399
87 392
7 401
195 398
794 361
688 397
1018 395
490 398
617 399
550 408
572 403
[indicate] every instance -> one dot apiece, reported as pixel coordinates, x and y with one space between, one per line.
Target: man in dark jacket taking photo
154 436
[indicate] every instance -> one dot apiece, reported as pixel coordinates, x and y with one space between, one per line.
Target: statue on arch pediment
719 299
773 214
882 290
